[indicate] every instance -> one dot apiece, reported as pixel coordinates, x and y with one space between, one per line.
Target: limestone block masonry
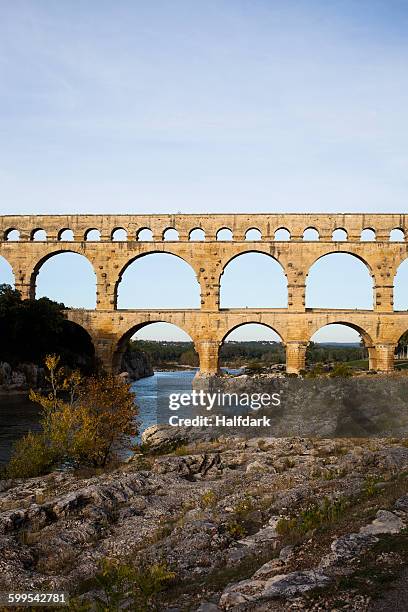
110 328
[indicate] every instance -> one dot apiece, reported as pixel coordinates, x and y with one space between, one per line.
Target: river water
18 415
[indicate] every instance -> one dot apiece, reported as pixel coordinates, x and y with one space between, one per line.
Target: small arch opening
12 235
253 235
311 234
282 235
367 235
170 235
144 235
66 235
339 235
224 235
397 235
119 235
197 234
39 235
92 235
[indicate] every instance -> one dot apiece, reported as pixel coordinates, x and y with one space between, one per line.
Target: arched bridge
112 242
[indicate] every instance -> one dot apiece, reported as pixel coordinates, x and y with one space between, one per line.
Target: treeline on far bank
32 329
232 354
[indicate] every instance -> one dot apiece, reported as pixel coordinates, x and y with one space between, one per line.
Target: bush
316 371
341 370
123 583
107 410
94 418
32 456
236 530
208 499
312 518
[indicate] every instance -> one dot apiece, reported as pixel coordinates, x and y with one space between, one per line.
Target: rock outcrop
215 523
137 364
22 377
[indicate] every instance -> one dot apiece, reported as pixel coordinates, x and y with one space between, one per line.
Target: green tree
189 358
31 329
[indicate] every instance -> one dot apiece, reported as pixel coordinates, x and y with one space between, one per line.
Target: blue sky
216 106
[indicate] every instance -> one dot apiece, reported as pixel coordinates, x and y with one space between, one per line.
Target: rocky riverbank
25 376
137 364
226 524
21 378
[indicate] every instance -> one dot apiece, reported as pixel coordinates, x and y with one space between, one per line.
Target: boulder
280 586
402 504
385 522
258 466
294 583
165 438
346 548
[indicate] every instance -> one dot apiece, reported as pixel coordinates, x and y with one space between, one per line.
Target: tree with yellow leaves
84 422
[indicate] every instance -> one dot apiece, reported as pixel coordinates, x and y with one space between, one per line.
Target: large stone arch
87 334
38 264
402 343
401 286
244 250
209 351
368 337
330 254
143 255
242 254
233 327
342 251
396 331
7 276
86 320
122 340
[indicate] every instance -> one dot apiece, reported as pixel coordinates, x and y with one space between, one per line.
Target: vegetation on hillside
163 352
327 353
259 353
31 329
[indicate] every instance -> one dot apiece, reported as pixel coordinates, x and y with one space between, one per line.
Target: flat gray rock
385 522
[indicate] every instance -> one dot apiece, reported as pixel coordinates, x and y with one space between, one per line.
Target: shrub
83 423
341 370
316 371
122 582
208 499
107 419
236 530
312 518
244 507
370 486
181 451
31 456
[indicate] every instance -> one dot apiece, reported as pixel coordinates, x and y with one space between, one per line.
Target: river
18 415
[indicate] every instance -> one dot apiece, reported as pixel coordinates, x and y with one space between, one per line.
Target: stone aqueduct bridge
109 328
